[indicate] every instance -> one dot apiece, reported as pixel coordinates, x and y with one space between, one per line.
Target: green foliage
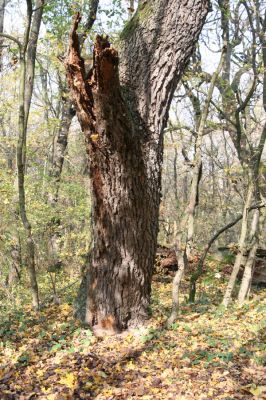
153 334
58 15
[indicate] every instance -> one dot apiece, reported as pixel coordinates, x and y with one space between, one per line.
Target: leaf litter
209 353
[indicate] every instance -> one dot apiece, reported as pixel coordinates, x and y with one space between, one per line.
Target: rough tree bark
123 109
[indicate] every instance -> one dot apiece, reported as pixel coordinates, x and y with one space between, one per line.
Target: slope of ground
208 353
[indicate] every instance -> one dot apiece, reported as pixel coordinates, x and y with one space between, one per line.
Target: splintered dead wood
102 80
80 89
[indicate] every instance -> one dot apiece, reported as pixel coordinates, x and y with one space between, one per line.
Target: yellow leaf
258 391
69 380
39 373
65 309
94 137
51 397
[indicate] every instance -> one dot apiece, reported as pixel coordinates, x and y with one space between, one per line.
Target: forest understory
209 353
132 132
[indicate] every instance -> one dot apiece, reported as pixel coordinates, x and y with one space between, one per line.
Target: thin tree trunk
27 66
21 189
185 237
44 95
175 172
31 49
182 262
60 147
241 248
15 266
123 122
258 219
248 273
252 159
2 16
257 223
131 8
195 276
55 174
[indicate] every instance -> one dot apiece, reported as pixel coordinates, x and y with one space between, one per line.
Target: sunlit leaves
51 355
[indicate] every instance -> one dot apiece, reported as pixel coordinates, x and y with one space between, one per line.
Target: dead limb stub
80 89
102 80
105 66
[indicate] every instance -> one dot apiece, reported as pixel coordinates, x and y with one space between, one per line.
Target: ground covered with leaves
209 353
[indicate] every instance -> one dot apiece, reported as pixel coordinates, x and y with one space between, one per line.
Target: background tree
27 58
242 124
2 13
27 55
220 128
187 225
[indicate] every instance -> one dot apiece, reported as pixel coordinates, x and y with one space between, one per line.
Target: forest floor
209 353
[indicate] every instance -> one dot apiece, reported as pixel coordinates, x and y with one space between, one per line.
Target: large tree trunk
123 111
125 215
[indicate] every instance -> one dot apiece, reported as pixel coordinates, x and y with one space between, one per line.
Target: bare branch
92 15
12 38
